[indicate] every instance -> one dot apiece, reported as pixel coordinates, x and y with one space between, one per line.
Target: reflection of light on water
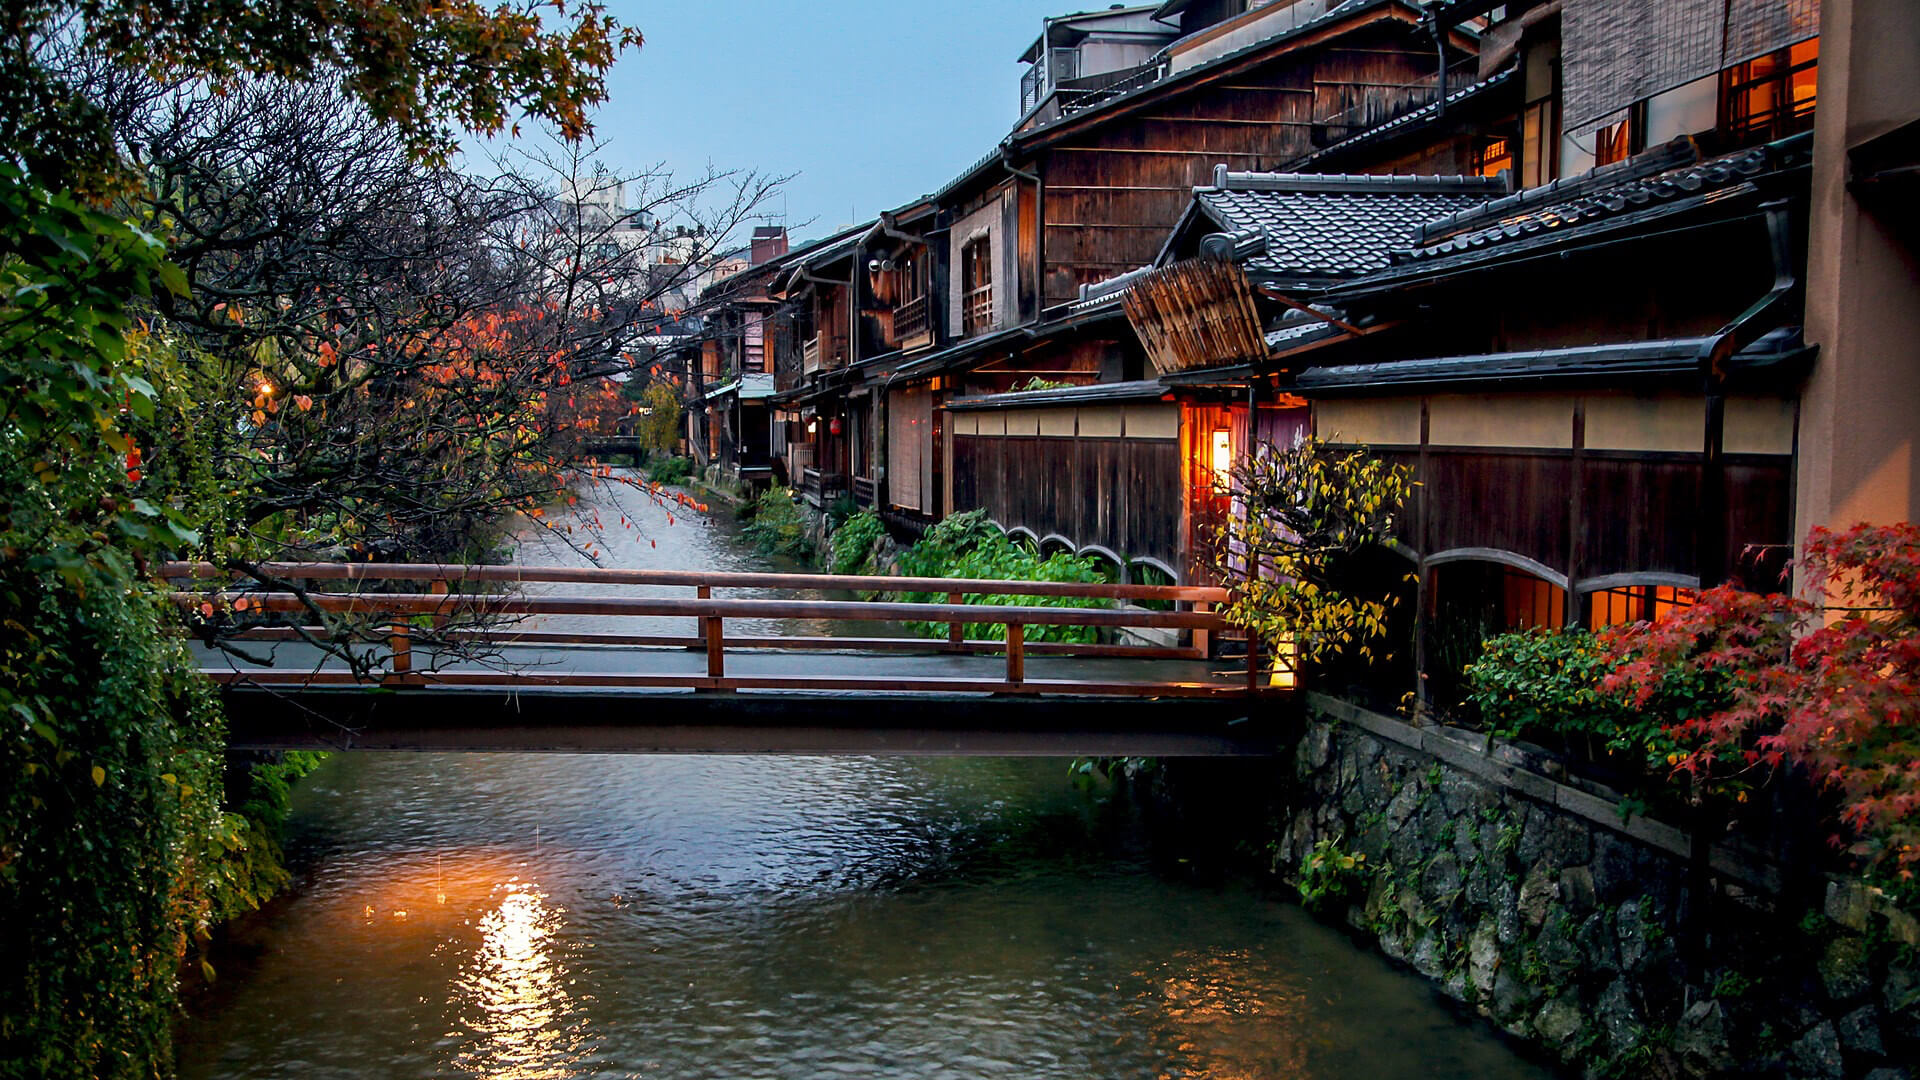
1225 1016
512 992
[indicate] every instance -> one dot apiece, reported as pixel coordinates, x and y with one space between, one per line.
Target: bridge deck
444 670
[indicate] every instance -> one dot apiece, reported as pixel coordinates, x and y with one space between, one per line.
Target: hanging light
834 427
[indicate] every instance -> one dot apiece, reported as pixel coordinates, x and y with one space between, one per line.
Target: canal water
535 916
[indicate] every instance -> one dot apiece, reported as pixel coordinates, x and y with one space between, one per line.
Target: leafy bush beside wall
967 545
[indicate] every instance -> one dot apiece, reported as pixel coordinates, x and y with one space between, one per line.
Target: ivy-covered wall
1538 905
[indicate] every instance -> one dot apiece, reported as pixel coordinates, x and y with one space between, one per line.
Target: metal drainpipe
1440 46
1039 228
1762 315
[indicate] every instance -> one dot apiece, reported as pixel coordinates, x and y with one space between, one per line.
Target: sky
871 103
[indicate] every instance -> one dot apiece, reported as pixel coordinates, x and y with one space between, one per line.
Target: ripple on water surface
580 916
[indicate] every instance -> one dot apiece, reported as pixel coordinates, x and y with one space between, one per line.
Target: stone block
1860 1031
1816 1055
1442 877
1617 1013
1506 907
1483 954
1316 747
1576 889
1511 997
1844 971
1428 956
1848 904
1556 839
1632 935
1537 894
1558 1023
1596 944
1701 1037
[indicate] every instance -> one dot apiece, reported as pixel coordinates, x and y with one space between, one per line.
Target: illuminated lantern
835 426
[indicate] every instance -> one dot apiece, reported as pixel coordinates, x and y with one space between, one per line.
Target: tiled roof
1584 199
1333 226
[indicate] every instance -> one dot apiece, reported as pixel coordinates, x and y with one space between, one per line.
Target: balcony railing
910 319
976 309
1084 93
822 488
810 355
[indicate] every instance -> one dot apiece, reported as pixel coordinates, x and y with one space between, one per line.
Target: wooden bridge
416 657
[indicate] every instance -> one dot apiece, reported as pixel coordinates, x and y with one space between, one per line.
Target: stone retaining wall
1541 906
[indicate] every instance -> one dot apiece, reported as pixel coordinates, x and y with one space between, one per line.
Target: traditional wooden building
1036 239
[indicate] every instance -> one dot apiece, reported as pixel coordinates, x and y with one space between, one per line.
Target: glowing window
1222 455
1615 607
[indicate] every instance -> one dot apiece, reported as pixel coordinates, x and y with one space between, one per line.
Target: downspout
1039 228
1763 315
1440 47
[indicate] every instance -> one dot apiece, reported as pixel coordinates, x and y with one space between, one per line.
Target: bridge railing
1193 612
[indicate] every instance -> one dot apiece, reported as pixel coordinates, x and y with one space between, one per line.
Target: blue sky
871 102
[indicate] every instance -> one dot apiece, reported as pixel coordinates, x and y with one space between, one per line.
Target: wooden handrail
442 604
697 578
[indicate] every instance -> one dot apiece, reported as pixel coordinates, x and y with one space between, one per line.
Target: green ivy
115 851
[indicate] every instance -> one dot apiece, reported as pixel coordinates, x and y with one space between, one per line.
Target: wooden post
711 630
400 641
1016 653
704 592
1202 639
438 588
716 649
955 629
1253 661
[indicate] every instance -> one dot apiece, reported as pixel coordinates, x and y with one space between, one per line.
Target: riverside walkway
431 657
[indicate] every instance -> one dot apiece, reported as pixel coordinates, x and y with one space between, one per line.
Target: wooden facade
1115 179
1093 478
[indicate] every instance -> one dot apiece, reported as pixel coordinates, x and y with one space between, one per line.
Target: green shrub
777 527
670 470
854 542
968 546
1546 683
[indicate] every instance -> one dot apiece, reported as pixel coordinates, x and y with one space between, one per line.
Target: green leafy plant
1331 876
670 470
855 541
968 546
1545 684
777 527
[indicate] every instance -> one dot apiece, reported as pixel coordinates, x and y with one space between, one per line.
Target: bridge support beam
441 719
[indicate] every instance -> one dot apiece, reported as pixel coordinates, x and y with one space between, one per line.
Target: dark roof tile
1332 226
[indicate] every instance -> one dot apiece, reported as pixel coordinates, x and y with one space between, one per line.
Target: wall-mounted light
812 426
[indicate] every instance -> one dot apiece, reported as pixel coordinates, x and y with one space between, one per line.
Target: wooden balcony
821 489
910 320
976 310
810 355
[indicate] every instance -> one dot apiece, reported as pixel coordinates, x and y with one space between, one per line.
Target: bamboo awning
1197 313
